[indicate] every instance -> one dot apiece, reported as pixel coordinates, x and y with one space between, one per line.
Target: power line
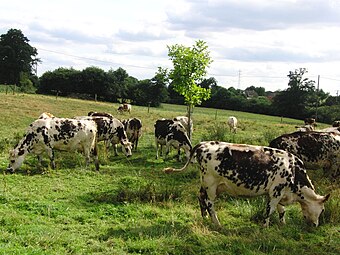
237 75
94 59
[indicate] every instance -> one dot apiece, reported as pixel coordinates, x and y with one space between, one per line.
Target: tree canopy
17 56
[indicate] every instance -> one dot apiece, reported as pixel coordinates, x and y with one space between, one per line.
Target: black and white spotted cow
184 120
171 133
315 149
48 134
336 123
124 108
100 114
248 170
111 130
133 129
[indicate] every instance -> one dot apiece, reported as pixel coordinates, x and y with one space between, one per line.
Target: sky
251 42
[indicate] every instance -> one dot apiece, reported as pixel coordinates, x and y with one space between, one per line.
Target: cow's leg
179 154
94 153
157 147
136 143
207 197
50 154
281 210
115 150
271 206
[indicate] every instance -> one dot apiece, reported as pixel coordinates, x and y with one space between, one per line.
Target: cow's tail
168 170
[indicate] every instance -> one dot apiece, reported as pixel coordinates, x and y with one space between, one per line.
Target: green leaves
190 67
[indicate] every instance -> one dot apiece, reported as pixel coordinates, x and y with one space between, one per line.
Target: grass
130 206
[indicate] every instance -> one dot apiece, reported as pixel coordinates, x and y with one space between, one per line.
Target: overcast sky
252 42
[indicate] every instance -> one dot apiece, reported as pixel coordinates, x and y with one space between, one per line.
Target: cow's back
315 149
66 134
245 170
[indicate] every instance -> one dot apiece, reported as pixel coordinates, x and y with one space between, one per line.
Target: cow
310 121
133 129
124 108
184 120
49 134
110 130
249 170
335 130
315 149
100 114
232 123
171 133
336 123
305 128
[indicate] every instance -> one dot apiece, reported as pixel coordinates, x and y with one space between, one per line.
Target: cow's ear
326 198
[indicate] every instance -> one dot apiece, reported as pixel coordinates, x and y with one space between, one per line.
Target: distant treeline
299 101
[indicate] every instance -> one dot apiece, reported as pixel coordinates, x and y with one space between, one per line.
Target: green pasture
130 206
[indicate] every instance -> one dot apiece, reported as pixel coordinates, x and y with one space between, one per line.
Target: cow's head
16 157
127 148
313 207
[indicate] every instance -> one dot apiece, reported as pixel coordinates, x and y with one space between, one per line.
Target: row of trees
185 83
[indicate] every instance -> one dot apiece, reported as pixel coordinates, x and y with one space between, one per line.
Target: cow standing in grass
124 108
171 133
184 120
232 123
50 133
248 170
133 129
315 149
111 130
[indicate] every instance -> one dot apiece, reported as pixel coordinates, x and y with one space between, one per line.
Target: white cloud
262 40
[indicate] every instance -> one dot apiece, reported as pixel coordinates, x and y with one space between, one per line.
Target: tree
151 92
293 102
17 56
189 68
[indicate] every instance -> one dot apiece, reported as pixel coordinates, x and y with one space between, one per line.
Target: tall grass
130 206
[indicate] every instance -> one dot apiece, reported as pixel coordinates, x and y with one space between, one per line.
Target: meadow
130 206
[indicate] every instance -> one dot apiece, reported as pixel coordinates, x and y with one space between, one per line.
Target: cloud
255 15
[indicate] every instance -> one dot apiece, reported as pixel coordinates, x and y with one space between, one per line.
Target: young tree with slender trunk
189 69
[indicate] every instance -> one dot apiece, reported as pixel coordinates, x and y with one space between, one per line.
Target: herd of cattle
277 170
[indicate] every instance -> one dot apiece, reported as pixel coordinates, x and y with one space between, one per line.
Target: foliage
17 57
151 92
189 68
301 94
130 206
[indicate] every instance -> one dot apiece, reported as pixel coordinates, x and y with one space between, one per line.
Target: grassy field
130 206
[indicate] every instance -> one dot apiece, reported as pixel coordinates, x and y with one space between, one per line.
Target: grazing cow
171 133
46 135
100 114
110 130
133 129
336 123
184 120
124 108
315 149
248 170
335 130
232 123
305 128
310 121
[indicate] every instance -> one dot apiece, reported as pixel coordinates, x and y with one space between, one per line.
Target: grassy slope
130 206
